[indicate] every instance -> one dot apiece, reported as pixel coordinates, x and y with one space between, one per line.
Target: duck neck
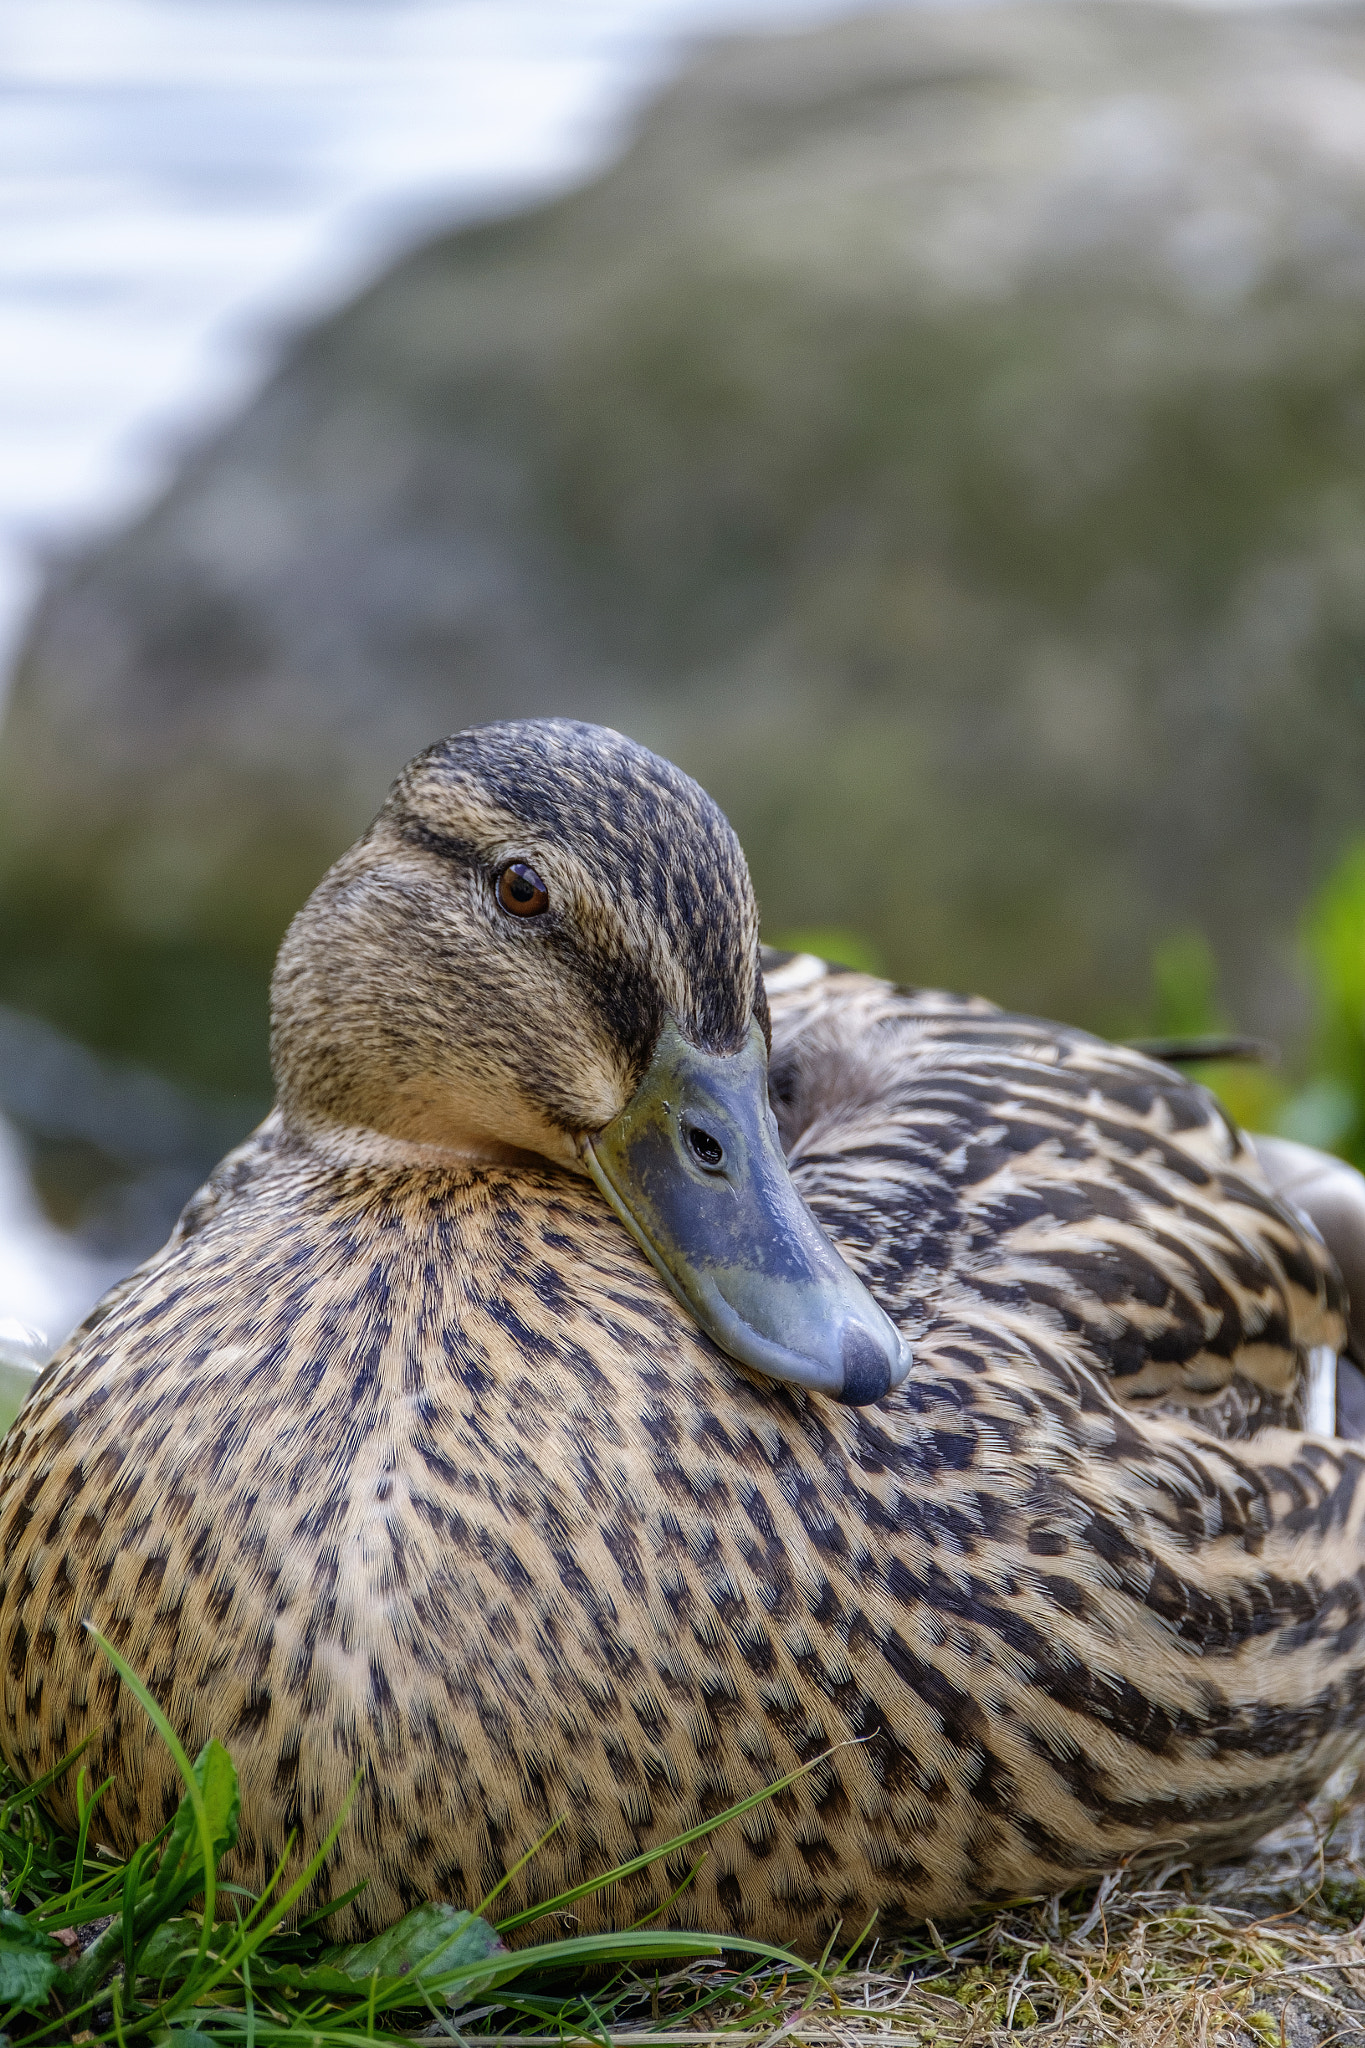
358 1146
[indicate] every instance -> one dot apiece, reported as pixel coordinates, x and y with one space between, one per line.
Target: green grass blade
254 1932
486 1901
186 1770
27 1794
562 1900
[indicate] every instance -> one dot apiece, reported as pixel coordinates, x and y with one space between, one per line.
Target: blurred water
47 1278
101 1147
181 179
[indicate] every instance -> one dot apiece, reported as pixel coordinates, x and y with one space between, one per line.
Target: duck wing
1018 1175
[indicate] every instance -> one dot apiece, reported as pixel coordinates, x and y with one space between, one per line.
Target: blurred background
940 429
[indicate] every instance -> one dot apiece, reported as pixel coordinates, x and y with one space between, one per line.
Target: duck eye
521 890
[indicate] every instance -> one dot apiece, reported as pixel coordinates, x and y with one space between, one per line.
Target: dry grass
1269 1951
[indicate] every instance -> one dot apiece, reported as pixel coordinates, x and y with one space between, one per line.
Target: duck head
546 948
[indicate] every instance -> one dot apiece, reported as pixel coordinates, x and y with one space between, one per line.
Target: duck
627 1373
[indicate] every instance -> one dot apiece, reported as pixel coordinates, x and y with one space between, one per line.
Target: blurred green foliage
1185 988
1324 1102
832 942
1336 951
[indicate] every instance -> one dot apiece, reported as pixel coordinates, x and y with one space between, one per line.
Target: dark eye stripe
521 891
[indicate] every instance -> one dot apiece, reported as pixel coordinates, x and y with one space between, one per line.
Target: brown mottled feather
416 1470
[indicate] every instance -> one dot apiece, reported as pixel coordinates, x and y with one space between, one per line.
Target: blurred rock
942 433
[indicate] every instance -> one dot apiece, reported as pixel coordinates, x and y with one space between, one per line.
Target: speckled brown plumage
404 1463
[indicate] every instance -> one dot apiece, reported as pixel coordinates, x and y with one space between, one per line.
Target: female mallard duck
405 1457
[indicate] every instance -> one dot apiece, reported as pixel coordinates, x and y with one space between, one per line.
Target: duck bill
694 1169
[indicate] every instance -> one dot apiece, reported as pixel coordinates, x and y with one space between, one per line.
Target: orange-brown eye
521 890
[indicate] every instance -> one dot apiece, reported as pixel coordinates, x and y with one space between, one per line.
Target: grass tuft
162 1950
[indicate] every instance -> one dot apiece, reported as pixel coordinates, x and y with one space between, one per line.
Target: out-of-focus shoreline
180 184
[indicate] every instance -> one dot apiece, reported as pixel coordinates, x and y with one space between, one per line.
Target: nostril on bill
867 1369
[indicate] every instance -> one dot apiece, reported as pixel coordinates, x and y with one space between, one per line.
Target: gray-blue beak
694 1169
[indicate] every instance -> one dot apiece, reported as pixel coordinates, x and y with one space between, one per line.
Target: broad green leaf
428 1944
28 1969
320 1977
181 1874
174 1942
